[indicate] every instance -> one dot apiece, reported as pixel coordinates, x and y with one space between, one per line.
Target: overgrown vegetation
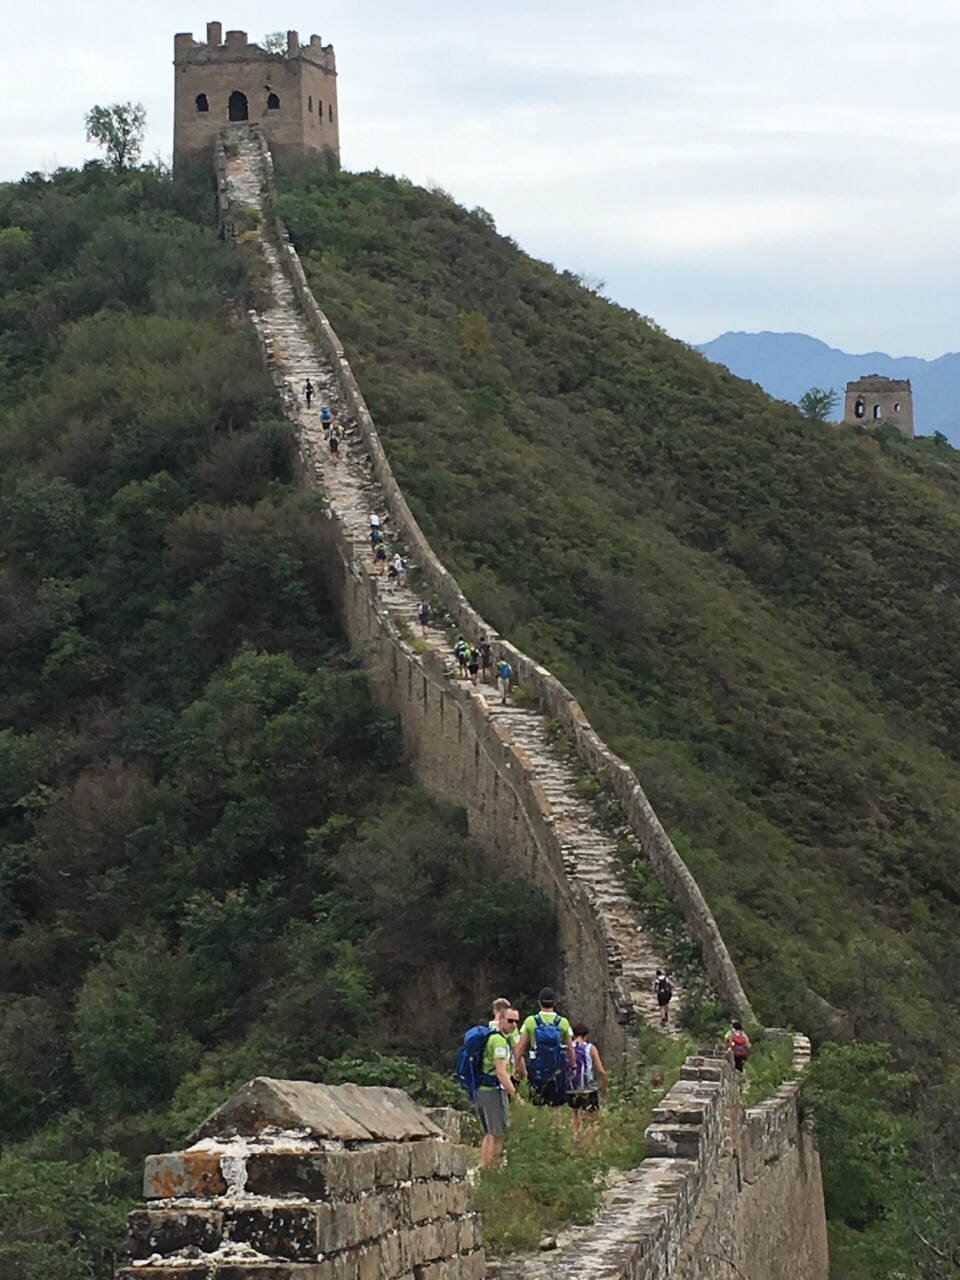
212 862
757 611
550 1179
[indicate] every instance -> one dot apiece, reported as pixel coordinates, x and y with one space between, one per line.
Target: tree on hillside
119 129
274 42
818 405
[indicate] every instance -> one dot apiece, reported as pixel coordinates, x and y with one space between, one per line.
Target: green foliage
426 1086
818 405
757 611
542 1186
59 1220
119 129
550 1180
213 864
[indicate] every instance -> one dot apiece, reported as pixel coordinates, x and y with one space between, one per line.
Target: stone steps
590 853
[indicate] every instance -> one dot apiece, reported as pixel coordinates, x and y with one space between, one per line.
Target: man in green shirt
550 1092
491 1099
518 1068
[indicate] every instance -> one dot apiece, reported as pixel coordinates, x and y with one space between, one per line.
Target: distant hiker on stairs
663 991
308 392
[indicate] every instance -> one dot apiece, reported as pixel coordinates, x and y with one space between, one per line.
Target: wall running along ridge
724 1191
460 753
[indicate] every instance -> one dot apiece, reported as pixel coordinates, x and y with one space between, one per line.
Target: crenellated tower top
291 94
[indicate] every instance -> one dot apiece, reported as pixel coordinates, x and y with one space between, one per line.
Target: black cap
548 996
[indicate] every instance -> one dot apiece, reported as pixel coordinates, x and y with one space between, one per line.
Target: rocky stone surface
252 1199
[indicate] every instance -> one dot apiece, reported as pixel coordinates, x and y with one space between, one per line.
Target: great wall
725 1190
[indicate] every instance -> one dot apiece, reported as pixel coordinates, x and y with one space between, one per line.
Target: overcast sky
721 164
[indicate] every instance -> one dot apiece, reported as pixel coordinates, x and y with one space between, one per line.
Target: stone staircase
590 850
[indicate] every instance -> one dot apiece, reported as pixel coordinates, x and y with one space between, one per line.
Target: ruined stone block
456 1198
426 1243
391 1256
186 1272
449 1238
195 1174
426 1201
673 1141
287 1173
469 1234
431 1271
349 1172
151 1231
392 1162
713 1072
339 1226
472 1266
367 1261
427 1157
395 1208
279 1231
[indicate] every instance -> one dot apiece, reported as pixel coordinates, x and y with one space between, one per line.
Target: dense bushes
212 863
757 612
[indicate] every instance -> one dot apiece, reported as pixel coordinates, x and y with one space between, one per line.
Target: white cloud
731 164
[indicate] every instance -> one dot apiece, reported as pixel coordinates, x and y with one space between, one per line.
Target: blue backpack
470 1072
549 1061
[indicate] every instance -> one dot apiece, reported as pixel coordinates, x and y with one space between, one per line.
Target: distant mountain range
788 364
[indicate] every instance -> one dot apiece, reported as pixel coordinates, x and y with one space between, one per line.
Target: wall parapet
555 699
703 1202
300 1181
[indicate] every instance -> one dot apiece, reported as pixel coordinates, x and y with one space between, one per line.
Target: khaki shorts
491 1107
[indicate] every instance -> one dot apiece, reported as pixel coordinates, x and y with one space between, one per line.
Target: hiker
501 1006
391 576
400 565
334 445
375 537
380 558
308 392
546 1041
738 1043
460 650
486 657
583 1093
374 523
494 1086
326 417
424 614
663 990
503 679
473 663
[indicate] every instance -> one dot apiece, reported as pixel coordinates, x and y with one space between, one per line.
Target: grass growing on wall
548 1180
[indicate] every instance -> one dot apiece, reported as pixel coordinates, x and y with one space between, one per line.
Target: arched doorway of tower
238 106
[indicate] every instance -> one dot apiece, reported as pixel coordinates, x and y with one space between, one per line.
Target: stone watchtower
291 95
877 399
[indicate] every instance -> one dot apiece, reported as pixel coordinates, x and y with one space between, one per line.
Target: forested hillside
212 862
759 614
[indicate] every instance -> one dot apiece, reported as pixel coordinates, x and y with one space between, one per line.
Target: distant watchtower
876 399
292 95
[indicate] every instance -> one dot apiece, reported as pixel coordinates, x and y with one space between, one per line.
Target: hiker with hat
546 1042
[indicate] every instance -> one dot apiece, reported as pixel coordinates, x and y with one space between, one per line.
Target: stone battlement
236 46
291 94
291 1180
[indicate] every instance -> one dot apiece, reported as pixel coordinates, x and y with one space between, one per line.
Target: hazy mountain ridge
787 364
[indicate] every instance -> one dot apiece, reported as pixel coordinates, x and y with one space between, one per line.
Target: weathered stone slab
384 1113
284 1104
287 1173
195 1174
151 1231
